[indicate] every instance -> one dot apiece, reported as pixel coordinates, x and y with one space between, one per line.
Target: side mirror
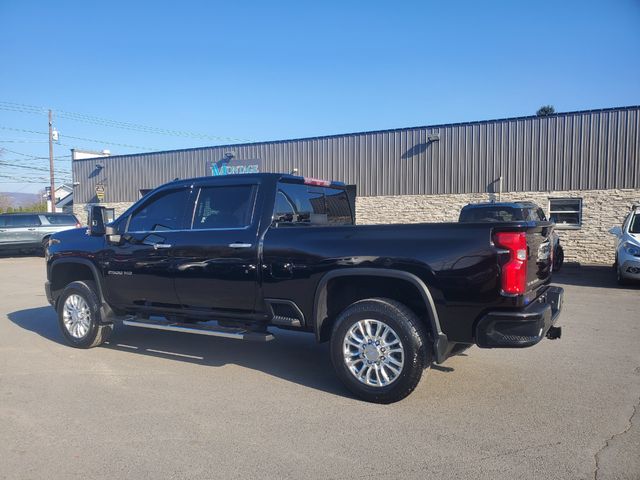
617 231
112 235
96 221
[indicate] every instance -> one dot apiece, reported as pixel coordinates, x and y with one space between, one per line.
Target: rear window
490 214
61 219
299 204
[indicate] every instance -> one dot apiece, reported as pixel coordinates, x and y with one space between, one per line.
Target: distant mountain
19 199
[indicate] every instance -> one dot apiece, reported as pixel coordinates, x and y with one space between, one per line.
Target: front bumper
522 328
47 291
630 268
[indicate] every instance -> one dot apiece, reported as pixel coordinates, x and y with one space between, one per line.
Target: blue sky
267 71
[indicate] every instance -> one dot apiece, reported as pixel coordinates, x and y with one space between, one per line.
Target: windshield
634 226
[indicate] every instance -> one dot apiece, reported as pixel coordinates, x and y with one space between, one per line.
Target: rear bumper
522 328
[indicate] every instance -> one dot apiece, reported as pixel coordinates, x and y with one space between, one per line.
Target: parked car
512 212
627 263
31 231
258 251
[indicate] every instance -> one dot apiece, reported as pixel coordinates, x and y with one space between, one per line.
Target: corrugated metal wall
581 150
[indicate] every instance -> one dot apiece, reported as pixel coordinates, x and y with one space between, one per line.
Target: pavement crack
606 444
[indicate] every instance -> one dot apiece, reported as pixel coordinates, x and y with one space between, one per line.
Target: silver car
627 263
31 231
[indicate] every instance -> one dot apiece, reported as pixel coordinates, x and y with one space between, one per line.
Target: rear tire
559 259
379 349
45 244
79 315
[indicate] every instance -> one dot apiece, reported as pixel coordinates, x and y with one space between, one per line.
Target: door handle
158 246
31 229
240 245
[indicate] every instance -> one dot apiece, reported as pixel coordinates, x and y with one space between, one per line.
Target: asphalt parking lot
164 405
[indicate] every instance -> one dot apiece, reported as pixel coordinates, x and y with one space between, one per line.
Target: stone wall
591 243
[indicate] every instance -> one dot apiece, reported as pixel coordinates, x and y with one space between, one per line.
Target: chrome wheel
76 316
373 353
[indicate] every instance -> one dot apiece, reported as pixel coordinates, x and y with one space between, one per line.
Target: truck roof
500 204
278 176
35 213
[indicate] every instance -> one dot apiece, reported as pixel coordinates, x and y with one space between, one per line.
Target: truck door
216 261
138 271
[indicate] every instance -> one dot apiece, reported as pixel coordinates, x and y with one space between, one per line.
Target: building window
566 212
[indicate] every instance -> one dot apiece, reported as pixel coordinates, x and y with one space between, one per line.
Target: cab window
229 206
164 211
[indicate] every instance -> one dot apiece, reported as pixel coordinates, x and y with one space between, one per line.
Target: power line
80 138
2 149
20 161
23 130
26 181
14 179
4 163
107 143
14 162
105 122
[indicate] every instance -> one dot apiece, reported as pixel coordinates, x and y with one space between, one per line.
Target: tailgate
540 254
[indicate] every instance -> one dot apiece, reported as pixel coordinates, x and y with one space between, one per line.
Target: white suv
627 263
31 231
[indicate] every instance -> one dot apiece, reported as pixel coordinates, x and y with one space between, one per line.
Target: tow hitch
554 333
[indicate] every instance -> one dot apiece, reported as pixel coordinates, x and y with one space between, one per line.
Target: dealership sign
100 192
234 167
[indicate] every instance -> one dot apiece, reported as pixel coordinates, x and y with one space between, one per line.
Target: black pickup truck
239 255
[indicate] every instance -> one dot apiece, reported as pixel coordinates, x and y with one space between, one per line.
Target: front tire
620 278
79 315
379 349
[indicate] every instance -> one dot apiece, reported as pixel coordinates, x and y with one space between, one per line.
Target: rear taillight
514 272
316 182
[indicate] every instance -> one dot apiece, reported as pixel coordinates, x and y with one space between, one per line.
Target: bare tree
5 202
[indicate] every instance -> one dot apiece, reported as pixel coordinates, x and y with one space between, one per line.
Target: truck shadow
292 356
600 276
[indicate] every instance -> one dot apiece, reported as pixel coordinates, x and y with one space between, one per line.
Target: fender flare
440 341
106 313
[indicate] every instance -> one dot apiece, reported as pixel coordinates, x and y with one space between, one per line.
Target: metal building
587 151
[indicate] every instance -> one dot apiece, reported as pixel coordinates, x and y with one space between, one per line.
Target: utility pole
52 193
